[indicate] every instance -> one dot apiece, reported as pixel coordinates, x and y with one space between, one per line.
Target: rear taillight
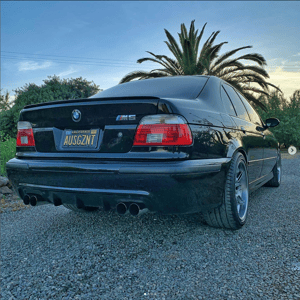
25 135
163 130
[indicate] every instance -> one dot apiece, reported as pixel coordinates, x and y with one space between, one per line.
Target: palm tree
190 61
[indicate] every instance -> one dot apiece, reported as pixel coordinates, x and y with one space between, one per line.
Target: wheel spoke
241 190
240 200
239 176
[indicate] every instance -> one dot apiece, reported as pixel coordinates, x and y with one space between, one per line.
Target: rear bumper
164 187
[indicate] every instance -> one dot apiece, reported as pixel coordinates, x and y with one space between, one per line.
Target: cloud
288 82
283 62
71 70
298 54
32 66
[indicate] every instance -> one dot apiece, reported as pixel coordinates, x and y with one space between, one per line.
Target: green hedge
288 112
7 151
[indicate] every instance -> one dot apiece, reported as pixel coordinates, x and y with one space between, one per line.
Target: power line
107 64
104 62
99 60
52 55
64 60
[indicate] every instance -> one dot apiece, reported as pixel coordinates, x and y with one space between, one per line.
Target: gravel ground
50 252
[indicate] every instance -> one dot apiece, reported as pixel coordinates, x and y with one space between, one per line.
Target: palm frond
198 39
132 75
155 75
192 34
253 70
141 75
173 46
174 64
228 54
160 60
226 68
205 48
254 57
214 51
249 78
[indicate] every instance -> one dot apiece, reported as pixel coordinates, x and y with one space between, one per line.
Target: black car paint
179 183
157 176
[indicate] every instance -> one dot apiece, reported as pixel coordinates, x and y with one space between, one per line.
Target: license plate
79 139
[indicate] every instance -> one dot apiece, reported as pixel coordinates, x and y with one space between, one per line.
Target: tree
52 89
189 60
288 112
4 102
295 100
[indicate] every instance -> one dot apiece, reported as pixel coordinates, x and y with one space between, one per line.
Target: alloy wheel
241 190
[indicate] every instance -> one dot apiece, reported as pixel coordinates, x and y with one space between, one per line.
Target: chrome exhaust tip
36 200
136 210
33 200
26 199
122 208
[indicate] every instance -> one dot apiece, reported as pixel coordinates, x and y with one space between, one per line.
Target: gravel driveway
50 252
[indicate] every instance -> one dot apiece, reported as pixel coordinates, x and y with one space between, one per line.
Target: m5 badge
125 117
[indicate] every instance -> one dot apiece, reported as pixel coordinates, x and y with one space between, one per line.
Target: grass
7 151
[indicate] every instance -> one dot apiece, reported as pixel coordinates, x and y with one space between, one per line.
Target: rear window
186 87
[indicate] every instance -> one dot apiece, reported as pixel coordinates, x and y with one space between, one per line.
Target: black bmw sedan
182 144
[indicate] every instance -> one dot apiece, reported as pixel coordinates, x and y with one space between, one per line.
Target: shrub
7 151
288 112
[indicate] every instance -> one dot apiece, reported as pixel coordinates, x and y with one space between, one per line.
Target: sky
102 40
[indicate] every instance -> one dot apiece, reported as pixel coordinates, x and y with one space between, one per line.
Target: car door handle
243 129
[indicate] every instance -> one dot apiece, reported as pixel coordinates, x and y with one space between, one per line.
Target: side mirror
271 122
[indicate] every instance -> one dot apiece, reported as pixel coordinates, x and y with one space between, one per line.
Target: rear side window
237 103
227 103
252 113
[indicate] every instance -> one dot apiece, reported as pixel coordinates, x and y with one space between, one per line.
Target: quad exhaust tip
137 210
122 208
34 200
26 199
134 209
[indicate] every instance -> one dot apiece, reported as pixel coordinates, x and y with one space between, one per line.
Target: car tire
276 180
232 214
84 209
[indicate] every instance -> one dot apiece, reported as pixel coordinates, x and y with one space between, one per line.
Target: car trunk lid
113 123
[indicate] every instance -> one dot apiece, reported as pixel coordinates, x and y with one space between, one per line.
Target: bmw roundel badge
76 115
